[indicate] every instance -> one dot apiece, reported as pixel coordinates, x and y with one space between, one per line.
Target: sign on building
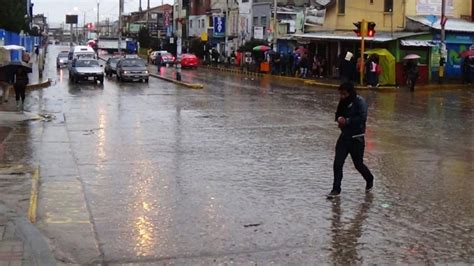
258 33
314 17
433 7
134 28
219 26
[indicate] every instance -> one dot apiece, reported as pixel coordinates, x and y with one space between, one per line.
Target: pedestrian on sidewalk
412 73
37 52
351 117
159 62
21 80
6 82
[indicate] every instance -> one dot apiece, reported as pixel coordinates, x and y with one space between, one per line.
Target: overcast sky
56 10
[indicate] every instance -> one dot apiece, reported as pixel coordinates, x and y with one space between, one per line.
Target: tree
13 15
144 37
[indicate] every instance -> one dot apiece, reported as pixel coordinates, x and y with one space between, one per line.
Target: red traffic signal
371 29
90 26
358 30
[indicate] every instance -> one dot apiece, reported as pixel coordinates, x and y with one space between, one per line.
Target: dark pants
355 147
20 92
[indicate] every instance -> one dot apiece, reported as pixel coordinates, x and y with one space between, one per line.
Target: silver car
132 69
62 59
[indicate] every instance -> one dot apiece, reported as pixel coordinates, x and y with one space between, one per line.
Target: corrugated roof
351 36
417 43
453 24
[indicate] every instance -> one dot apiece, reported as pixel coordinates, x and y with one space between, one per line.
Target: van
81 51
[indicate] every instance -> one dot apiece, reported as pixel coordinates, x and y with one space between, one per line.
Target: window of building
190 24
255 21
388 6
341 8
263 21
203 22
211 22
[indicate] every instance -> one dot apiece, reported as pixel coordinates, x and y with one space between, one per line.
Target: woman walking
21 80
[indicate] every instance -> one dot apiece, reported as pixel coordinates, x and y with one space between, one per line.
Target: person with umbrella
411 70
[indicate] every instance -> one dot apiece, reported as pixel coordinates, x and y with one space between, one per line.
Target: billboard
258 33
219 26
433 7
71 19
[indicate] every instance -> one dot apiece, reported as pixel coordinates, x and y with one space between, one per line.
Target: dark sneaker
369 186
333 194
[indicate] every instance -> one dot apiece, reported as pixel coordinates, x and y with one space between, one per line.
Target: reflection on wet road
236 173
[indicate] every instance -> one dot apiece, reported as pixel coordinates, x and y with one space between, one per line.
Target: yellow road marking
34 196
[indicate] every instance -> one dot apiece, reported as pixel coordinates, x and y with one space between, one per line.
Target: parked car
62 59
132 69
86 69
167 59
189 60
111 66
154 54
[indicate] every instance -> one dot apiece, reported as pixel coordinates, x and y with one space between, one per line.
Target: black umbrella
12 66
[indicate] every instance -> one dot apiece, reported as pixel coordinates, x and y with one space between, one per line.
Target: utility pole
120 26
97 25
363 33
148 16
442 50
226 37
275 31
140 6
179 41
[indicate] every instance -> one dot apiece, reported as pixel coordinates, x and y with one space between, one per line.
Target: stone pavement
20 241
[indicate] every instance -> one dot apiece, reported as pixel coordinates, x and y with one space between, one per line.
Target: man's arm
360 116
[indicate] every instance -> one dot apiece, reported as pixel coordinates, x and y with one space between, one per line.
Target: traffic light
371 29
358 30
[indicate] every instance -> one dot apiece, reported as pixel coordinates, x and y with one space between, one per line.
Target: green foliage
155 44
12 15
144 37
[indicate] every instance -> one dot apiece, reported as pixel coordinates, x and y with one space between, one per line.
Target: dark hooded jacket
354 110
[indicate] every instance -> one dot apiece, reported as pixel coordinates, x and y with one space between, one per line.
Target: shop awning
351 36
417 43
452 24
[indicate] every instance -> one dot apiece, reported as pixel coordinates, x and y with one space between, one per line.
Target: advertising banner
219 26
433 7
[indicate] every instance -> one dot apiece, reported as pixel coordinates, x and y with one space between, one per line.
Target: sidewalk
20 241
334 83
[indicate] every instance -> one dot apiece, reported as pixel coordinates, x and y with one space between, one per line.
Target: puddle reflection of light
61 75
144 241
101 139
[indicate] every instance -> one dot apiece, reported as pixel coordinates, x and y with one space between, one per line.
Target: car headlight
126 72
146 72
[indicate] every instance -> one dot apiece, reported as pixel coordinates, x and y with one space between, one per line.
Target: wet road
237 172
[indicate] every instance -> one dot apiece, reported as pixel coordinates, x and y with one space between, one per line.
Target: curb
35 243
357 87
188 85
241 72
40 85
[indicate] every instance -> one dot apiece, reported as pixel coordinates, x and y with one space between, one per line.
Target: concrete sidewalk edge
321 84
35 243
189 85
40 85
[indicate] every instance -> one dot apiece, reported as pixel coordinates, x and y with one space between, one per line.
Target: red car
189 60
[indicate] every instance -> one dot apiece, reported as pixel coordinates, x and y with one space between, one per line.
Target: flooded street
237 173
